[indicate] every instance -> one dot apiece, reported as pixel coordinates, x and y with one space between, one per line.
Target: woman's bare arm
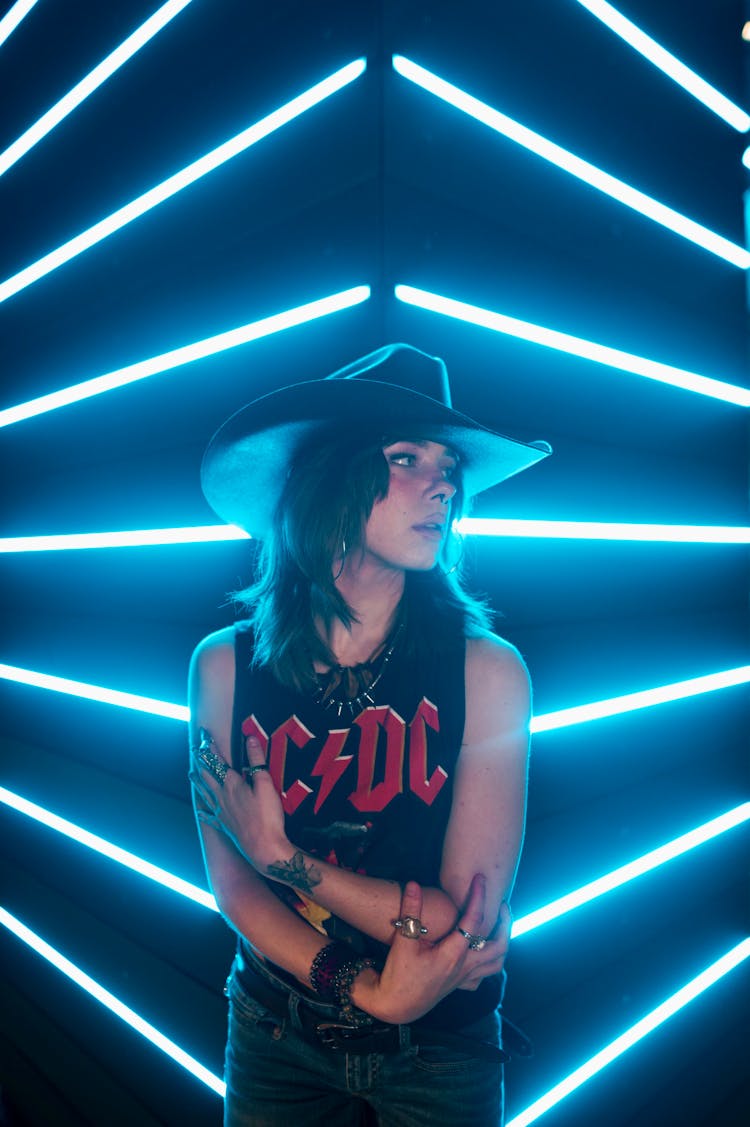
484 830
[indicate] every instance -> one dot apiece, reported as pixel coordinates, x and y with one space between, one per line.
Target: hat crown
403 366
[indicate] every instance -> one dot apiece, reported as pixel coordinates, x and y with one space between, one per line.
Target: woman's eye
402 459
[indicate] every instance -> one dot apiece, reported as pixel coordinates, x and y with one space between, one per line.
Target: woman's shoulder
215 652
489 655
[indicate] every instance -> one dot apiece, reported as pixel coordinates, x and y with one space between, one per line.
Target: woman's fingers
256 759
409 912
473 913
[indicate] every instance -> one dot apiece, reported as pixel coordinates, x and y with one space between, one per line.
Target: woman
359 756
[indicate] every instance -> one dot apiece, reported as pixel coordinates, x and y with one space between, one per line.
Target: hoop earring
343 561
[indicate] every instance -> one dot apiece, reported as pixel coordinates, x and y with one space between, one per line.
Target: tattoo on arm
296 873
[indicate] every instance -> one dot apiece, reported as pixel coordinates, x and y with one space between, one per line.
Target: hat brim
245 465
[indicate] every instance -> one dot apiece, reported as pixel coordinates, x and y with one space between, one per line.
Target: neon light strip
552 911
647 698
546 722
95 692
636 1033
182 179
139 538
255 330
130 1017
576 166
90 83
603 530
575 346
107 849
618 877
668 64
12 18
469 526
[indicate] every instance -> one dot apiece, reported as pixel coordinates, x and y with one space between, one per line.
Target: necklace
350 688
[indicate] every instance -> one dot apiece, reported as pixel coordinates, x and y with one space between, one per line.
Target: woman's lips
432 531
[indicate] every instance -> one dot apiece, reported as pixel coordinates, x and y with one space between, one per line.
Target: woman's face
407 528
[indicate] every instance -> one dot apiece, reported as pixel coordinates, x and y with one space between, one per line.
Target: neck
374 594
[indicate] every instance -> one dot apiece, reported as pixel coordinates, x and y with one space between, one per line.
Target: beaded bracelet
332 975
343 984
324 968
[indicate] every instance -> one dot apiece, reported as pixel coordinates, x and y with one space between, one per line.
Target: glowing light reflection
93 80
255 330
667 63
646 698
508 527
108 849
545 722
604 530
182 179
634 1034
575 346
522 926
138 538
13 17
633 869
112 1003
576 166
94 692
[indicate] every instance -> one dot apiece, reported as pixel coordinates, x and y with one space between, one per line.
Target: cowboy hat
397 389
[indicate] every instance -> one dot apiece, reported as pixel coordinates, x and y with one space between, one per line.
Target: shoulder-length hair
327 498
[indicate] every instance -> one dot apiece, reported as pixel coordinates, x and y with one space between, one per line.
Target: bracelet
324 968
344 982
332 975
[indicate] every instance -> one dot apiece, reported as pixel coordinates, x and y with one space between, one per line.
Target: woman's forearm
369 904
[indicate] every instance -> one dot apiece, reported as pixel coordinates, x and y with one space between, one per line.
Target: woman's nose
444 490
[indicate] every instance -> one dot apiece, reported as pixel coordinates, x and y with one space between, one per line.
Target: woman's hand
419 974
246 807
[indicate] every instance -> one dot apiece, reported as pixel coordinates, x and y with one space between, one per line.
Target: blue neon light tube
634 1034
182 179
572 164
668 64
93 80
112 1003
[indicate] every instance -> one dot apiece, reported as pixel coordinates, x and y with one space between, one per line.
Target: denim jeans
277 1078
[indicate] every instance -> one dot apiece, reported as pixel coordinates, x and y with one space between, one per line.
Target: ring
410 927
476 942
213 763
248 772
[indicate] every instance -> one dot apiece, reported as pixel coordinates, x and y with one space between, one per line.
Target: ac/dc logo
402 754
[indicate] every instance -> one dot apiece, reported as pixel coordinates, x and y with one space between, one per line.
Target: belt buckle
329 1032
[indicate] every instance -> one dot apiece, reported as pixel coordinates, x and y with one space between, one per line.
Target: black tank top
369 791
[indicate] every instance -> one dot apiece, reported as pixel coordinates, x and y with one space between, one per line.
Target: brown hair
327 498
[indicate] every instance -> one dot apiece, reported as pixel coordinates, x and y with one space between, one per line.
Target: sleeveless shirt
370 792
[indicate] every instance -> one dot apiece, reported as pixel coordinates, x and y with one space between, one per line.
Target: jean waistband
325 1025
248 969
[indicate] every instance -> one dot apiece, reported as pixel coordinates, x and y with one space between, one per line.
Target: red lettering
330 765
427 789
374 798
294 730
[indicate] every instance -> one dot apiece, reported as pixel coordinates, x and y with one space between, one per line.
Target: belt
375 1038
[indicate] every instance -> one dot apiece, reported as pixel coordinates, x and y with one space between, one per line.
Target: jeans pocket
445 1059
248 1016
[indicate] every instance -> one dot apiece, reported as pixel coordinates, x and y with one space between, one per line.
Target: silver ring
476 942
214 763
250 771
410 927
